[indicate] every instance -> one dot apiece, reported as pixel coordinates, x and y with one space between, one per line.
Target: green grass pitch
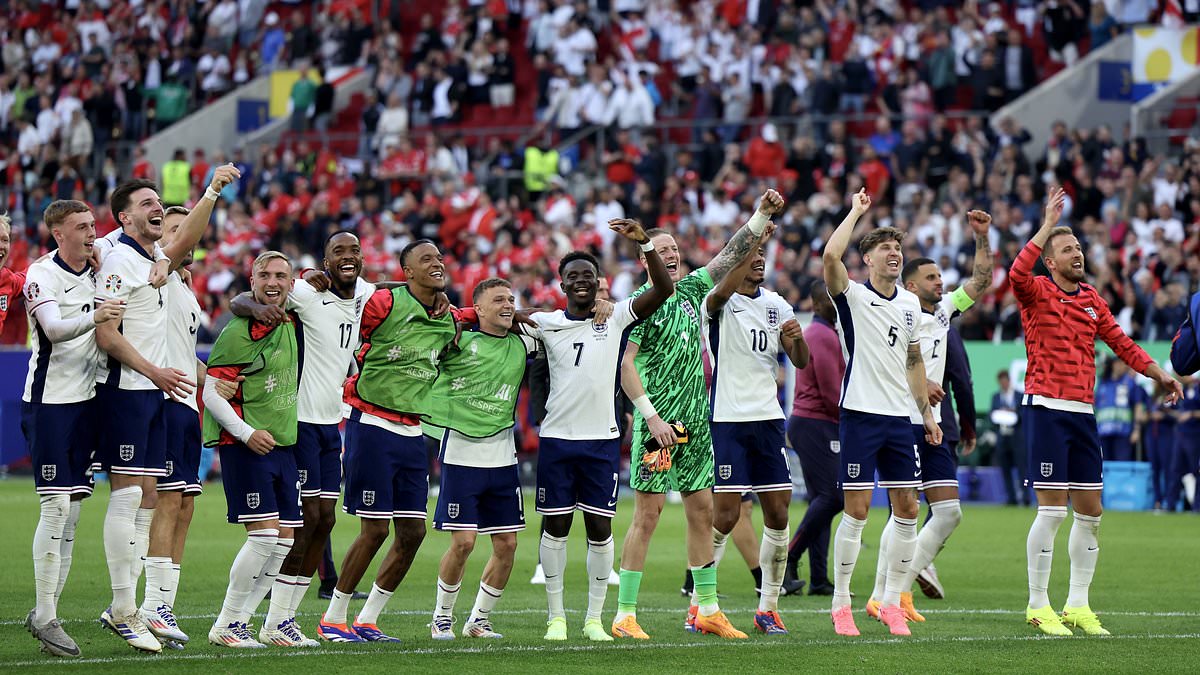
1147 591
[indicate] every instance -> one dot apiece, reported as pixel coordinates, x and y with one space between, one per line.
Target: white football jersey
743 346
64 372
585 365
933 330
103 245
125 275
875 334
182 323
330 336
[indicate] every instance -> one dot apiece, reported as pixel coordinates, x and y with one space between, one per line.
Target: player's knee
504 546
724 521
953 516
775 518
409 534
462 546
373 532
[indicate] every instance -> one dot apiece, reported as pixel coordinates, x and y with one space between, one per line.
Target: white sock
599 566
67 547
47 553
158 576
945 516
554 561
901 549
772 558
173 578
447 596
247 565
266 578
297 597
119 546
339 605
881 565
720 539
1084 548
281 600
376 601
141 534
1039 551
846 543
485 602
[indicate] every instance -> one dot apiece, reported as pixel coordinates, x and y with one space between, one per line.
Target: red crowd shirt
1060 334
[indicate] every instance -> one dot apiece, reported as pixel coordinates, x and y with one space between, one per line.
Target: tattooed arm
746 238
981 276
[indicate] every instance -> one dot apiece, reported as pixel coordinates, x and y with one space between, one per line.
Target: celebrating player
11 282
387 474
256 431
57 416
668 373
579 456
1062 317
132 444
881 339
329 318
939 463
178 489
747 326
472 406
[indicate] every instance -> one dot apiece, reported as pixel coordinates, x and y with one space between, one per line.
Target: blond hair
57 212
6 223
267 256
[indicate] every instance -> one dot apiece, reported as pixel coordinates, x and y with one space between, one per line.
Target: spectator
176 179
735 98
1060 24
1008 454
323 99
304 91
1101 26
1019 73
78 140
765 155
987 79
501 79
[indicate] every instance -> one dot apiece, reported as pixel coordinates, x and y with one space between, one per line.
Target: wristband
211 194
642 403
648 246
758 223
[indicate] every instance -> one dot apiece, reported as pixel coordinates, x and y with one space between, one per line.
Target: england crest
302 474
909 319
170 467
725 471
252 500
3 303
1047 469
772 317
452 510
1091 312
852 470
125 452
368 497
49 472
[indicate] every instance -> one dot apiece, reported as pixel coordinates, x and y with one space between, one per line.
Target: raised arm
981 275
725 289
661 286
245 306
836 277
631 382
743 240
1021 273
915 371
1128 351
194 224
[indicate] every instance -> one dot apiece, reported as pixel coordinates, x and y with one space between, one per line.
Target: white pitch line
681 611
493 648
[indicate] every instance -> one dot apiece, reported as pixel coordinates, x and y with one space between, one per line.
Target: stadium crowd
928 158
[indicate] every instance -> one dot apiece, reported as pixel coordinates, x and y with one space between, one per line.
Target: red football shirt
1060 334
11 284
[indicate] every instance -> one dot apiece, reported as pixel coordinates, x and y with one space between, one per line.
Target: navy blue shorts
578 475
1064 450
319 460
261 487
183 449
880 443
487 500
938 463
61 439
750 456
132 432
387 475
816 444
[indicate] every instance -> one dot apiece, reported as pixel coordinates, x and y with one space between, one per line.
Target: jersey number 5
892 335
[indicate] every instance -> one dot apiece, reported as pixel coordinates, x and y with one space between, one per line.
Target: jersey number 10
758 340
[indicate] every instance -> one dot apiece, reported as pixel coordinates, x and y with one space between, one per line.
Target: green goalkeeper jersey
668 358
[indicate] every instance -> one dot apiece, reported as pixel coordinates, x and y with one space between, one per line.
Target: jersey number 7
578 352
